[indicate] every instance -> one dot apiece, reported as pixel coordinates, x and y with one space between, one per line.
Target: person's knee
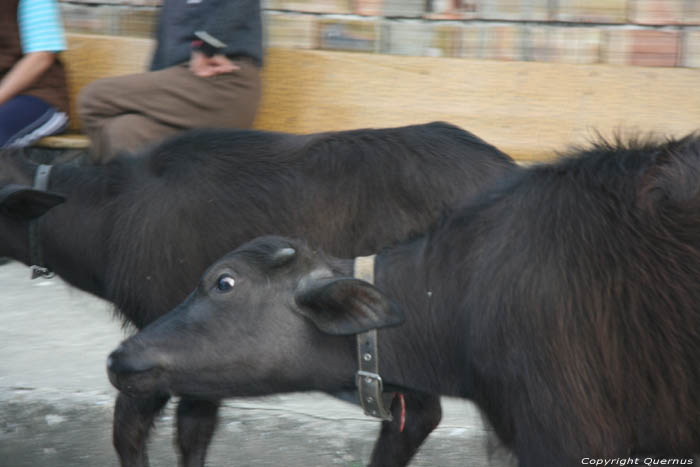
125 128
132 133
115 136
90 98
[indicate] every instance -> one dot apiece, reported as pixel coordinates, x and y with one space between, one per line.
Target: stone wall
625 32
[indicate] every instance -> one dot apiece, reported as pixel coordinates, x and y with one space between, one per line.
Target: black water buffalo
565 302
140 232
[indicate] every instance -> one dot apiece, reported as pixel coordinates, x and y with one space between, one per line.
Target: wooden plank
527 109
65 141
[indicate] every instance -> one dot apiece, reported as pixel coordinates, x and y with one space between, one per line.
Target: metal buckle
370 387
369 384
38 271
370 377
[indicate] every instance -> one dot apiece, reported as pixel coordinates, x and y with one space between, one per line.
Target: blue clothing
40 27
25 119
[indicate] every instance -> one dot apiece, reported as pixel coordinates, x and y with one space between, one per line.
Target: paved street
56 402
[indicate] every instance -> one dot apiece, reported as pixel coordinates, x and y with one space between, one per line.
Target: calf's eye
225 283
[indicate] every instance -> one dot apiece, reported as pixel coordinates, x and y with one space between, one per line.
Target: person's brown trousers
134 111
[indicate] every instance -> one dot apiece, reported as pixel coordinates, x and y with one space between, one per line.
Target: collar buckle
39 271
369 384
41 182
371 389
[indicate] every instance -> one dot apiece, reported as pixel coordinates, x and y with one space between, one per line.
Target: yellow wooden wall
528 109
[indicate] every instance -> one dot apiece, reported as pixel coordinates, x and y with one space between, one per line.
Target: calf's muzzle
135 372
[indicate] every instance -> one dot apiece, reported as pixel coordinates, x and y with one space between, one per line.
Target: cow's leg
133 418
396 447
196 422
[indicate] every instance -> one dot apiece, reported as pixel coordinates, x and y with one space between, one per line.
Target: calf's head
19 202
18 205
272 316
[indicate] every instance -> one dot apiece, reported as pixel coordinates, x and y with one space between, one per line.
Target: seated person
190 85
33 92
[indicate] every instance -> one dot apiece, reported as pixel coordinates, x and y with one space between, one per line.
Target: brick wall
626 32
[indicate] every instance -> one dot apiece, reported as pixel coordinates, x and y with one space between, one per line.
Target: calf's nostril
115 364
122 362
114 357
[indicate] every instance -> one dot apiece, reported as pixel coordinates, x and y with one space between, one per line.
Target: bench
90 57
527 109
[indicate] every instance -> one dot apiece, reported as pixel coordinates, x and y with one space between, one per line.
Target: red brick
642 47
452 9
502 42
656 11
368 7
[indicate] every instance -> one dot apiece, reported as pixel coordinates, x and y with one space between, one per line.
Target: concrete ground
56 402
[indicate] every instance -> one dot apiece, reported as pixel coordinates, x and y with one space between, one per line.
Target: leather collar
39 269
369 384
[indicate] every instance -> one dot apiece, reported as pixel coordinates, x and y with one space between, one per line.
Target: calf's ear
346 306
24 203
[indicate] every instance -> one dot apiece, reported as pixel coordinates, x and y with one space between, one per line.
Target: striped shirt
40 27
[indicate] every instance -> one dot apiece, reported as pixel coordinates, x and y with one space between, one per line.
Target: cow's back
199 195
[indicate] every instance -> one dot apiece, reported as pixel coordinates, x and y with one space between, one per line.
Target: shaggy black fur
139 231
565 302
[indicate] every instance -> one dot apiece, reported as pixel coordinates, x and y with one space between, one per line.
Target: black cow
140 232
565 303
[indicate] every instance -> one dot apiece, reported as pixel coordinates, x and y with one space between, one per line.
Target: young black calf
139 232
565 303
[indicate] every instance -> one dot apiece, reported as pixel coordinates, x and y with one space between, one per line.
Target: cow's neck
428 351
72 235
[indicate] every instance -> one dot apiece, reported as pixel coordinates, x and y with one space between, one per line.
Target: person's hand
204 66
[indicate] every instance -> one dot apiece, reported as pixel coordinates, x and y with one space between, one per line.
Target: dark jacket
51 86
237 23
